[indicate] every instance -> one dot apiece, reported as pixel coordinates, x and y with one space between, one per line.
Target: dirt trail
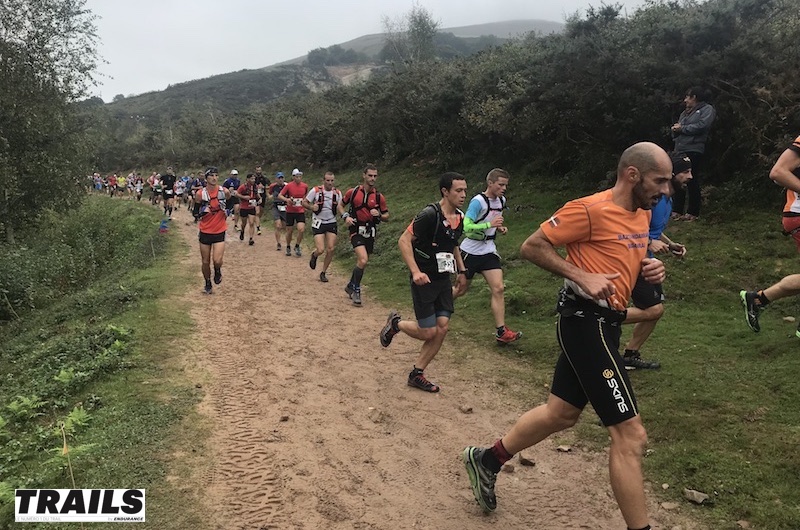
315 427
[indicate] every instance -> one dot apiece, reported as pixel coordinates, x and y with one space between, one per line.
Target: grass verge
101 361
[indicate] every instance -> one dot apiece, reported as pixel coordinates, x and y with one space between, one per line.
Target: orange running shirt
792 205
603 238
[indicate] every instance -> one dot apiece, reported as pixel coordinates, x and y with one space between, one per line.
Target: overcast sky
149 44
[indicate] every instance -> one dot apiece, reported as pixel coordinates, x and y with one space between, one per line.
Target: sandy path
316 428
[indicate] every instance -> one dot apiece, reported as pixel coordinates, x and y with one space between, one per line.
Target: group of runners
612 239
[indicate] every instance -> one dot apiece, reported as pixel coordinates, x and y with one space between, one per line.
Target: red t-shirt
247 191
356 196
296 192
214 222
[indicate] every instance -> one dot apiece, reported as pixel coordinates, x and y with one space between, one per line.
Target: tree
410 39
47 56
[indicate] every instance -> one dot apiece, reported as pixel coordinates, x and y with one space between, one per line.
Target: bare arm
407 251
540 251
781 172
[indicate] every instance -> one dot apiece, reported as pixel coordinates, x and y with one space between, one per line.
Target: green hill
234 91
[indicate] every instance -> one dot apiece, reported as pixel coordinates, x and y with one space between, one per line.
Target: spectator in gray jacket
690 135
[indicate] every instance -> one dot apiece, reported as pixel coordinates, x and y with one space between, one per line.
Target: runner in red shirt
362 208
213 223
249 200
293 194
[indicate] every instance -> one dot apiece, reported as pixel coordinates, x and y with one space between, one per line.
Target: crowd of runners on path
611 277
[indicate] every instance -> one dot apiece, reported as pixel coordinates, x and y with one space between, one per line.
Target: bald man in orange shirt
606 237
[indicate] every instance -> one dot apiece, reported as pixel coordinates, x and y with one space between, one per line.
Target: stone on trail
695 496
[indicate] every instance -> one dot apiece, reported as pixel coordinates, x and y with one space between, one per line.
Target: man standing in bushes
648 299
785 172
482 223
366 210
606 238
429 247
690 134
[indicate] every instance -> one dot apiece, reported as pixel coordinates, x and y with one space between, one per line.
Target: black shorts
295 218
278 214
326 228
357 240
244 214
233 201
476 263
432 300
590 368
646 295
210 239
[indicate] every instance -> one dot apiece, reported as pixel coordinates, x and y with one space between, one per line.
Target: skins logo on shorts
622 406
608 374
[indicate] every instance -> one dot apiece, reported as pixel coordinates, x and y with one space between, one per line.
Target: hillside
372 44
234 91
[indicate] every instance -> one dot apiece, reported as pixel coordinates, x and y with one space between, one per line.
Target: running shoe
297 251
207 288
508 336
258 230
323 277
389 330
356 297
313 261
218 276
288 251
417 379
349 290
278 247
481 478
251 243
241 235
751 310
634 361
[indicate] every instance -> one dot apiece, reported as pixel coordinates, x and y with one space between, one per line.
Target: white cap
234 172
296 171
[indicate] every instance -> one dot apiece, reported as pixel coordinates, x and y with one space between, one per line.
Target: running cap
211 170
296 171
234 172
279 175
680 163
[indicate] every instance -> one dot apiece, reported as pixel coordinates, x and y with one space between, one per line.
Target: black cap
211 170
680 163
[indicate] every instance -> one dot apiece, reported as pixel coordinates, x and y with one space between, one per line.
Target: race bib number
253 202
281 207
316 223
446 262
297 202
366 231
169 192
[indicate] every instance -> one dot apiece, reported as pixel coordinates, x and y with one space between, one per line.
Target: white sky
149 44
